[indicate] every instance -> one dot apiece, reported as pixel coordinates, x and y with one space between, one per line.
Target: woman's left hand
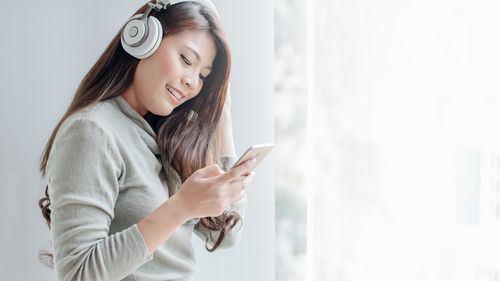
227 102
224 130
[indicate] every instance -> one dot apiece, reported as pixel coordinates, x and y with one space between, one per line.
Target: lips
176 93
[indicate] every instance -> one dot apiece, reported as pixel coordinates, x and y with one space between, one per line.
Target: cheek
159 70
198 90
169 65
172 69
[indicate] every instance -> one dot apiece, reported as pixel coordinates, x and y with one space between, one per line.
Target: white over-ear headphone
142 34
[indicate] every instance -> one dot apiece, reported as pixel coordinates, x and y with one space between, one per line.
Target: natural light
388 116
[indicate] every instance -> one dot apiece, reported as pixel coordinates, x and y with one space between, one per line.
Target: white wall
46 50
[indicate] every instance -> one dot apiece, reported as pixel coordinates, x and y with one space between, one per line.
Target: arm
198 192
225 130
225 135
233 236
83 174
156 227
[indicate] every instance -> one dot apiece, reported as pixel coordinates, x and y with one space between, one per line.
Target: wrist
225 116
161 223
225 135
179 204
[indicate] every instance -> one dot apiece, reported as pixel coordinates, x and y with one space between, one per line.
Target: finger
210 171
248 179
236 198
237 171
243 177
236 187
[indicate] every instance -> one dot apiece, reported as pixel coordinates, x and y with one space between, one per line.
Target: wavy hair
188 146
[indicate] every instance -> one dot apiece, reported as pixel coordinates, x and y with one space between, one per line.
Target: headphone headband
206 3
142 34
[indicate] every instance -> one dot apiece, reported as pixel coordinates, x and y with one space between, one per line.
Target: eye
185 60
203 78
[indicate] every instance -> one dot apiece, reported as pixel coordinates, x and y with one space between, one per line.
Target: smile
177 94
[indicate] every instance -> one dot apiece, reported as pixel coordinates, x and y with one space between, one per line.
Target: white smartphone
258 151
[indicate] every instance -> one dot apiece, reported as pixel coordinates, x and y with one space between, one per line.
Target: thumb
237 171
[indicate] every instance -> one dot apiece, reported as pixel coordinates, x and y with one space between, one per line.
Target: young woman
134 166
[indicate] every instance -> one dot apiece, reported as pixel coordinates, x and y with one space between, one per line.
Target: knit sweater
105 174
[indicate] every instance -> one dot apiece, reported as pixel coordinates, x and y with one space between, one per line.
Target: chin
159 107
162 111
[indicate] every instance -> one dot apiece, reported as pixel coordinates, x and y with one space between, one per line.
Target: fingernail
253 161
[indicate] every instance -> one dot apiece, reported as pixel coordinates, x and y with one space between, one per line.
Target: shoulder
103 114
87 135
100 120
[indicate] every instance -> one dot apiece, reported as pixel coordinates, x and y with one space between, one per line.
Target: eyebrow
196 54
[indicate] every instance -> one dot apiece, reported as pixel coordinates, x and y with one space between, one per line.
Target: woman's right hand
208 191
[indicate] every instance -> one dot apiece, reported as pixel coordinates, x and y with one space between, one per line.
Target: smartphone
258 151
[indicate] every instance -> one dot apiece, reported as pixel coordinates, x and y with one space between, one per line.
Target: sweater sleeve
233 236
83 174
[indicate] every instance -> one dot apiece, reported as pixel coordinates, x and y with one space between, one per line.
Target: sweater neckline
125 107
148 135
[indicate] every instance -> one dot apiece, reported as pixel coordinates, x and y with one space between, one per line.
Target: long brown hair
186 148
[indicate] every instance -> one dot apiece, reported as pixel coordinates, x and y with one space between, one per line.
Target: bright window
388 140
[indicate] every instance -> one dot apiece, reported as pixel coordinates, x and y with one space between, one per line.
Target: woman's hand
224 132
208 191
227 102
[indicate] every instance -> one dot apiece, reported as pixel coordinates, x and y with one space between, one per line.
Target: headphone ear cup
134 30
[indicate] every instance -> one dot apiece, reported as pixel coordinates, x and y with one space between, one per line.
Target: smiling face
173 74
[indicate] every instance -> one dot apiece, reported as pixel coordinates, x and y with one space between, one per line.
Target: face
173 74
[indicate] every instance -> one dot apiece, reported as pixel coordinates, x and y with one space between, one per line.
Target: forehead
200 41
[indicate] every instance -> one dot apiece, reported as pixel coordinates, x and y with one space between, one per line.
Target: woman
132 165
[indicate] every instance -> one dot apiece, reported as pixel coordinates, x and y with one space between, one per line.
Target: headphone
142 33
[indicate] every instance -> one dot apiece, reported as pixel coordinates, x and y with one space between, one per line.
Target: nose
189 80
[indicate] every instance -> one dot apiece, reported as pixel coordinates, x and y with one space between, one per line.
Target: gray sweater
105 174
